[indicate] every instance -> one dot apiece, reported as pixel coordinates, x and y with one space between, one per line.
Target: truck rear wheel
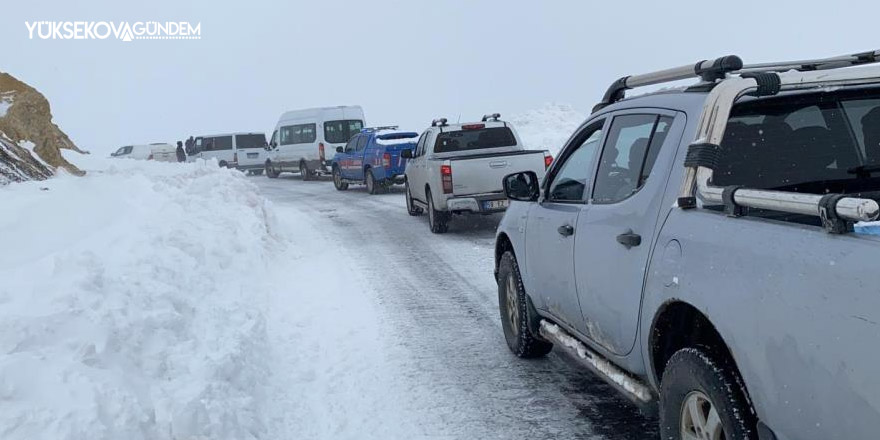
519 320
411 207
337 180
437 220
372 188
304 171
703 399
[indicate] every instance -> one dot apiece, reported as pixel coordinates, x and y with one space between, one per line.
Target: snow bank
6 99
548 127
130 304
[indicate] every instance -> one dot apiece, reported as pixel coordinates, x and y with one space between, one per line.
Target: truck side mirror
406 154
340 150
521 186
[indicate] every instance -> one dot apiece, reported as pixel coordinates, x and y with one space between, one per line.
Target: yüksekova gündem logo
121 30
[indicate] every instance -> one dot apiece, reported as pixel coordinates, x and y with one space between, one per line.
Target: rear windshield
479 139
250 140
815 143
336 132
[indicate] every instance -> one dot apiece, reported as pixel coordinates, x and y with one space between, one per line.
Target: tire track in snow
438 301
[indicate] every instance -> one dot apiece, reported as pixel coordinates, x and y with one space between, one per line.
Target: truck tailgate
480 174
397 164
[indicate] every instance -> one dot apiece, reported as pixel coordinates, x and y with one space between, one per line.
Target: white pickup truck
458 168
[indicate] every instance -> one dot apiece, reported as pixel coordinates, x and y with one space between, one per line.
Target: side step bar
628 385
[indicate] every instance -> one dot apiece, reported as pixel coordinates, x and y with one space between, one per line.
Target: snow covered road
379 329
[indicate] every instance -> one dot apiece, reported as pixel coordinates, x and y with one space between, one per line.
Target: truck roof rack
712 70
492 116
439 122
837 212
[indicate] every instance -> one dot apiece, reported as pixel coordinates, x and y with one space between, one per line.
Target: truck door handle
565 230
629 239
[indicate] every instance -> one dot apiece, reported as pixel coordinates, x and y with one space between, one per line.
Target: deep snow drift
131 305
172 301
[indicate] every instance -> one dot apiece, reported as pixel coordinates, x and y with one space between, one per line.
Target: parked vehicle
304 140
372 158
695 247
160 152
244 151
458 168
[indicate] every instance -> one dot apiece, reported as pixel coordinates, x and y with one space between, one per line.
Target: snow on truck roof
395 137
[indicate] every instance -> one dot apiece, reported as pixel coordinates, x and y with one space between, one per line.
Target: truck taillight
446 178
321 150
386 160
235 157
548 160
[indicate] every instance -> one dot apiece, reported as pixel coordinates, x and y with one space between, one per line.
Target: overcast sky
404 61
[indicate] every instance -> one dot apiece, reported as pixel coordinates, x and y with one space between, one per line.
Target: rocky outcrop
18 164
30 144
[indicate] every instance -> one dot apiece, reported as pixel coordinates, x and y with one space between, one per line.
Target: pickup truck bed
482 173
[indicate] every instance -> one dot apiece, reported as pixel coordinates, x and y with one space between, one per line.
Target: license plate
252 155
495 204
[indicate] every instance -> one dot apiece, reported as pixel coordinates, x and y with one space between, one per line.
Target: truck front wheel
519 320
703 399
271 172
437 220
337 180
411 207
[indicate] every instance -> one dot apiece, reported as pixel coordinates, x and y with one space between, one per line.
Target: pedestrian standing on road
181 155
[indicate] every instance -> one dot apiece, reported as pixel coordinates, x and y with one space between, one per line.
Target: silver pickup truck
458 168
708 251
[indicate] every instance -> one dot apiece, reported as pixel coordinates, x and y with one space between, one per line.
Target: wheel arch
502 245
677 325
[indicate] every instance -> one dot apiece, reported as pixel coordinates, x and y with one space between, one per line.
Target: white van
244 151
160 152
306 140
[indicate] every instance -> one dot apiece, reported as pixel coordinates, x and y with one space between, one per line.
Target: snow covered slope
548 127
131 304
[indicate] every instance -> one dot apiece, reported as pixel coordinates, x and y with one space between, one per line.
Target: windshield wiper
864 171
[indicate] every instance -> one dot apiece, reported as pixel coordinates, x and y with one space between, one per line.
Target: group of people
181 153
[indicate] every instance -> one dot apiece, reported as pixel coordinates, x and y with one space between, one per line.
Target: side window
298 134
350 146
362 142
209 143
428 138
420 146
274 138
223 143
573 178
309 134
628 156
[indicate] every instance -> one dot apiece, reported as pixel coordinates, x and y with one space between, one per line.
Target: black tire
372 187
304 172
270 171
411 207
437 220
222 164
692 374
337 180
520 327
